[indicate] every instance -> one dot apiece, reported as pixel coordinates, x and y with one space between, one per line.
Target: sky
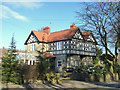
19 18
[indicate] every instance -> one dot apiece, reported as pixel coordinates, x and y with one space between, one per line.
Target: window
90 47
64 51
33 47
54 52
68 51
59 45
51 44
78 46
59 63
51 48
67 41
71 62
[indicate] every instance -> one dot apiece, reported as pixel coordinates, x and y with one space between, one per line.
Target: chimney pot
46 30
72 26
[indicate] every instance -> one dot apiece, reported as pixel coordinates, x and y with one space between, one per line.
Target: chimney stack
46 30
72 26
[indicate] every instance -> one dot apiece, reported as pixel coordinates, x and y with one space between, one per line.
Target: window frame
58 63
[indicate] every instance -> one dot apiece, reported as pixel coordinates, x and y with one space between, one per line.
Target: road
69 84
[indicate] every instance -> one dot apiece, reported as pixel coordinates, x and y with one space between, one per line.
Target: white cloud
30 5
8 13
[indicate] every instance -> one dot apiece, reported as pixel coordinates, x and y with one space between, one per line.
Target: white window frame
72 62
67 42
59 45
33 47
59 61
90 47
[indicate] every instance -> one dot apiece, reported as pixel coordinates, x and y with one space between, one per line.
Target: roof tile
55 36
48 55
60 35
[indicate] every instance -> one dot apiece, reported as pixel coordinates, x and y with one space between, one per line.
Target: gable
78 35
32 38
37 36
90 38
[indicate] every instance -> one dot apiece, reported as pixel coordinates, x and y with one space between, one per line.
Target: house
70 47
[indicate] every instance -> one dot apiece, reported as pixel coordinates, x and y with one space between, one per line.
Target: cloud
30 5
7 13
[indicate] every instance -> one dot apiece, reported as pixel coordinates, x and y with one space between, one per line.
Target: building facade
71 47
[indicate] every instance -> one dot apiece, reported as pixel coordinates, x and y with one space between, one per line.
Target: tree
96 61
103 20
45 64
12 45
10 66
45 67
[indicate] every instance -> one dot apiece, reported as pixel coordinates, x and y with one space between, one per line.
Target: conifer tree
10 66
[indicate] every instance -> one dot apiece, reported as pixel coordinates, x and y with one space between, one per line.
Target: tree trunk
112 73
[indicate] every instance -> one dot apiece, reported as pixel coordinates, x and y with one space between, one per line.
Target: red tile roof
40 35
62 35
48 55
57 36
86 34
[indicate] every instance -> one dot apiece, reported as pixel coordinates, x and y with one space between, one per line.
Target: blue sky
21 18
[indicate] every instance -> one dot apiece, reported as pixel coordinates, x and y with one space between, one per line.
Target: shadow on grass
113 85
27 87
56 87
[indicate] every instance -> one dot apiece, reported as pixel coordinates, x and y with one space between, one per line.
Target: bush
50 78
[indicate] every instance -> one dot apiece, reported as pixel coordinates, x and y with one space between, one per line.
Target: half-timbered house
70 47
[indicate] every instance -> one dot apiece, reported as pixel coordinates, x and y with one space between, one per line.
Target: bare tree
102 18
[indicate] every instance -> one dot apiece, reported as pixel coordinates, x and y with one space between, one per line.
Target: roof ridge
36 31
58 31
61 30
66 30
